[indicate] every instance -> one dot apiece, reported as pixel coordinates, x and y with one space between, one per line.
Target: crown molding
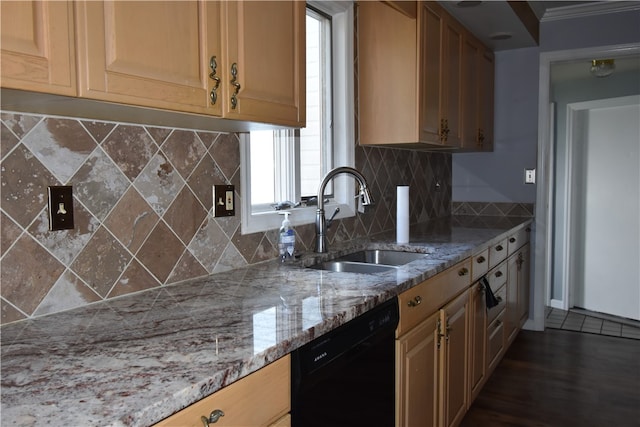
589 9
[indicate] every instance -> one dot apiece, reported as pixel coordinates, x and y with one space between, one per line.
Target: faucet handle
333 215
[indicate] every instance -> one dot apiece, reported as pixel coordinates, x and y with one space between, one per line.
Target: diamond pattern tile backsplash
142 208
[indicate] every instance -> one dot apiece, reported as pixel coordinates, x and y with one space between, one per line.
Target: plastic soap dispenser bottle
287 242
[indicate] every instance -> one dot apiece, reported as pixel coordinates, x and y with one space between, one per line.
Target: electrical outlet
529 176
60 207
224 203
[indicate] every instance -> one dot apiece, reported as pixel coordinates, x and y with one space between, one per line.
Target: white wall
499 176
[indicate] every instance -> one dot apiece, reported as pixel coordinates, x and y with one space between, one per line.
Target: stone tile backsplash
142 199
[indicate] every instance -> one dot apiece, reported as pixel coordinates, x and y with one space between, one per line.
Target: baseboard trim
557 303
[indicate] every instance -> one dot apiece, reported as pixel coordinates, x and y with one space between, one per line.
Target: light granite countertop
135 360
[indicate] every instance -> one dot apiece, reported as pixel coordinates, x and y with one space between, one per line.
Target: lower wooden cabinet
417 365
453 367
260 399
477 340
448 342
431 350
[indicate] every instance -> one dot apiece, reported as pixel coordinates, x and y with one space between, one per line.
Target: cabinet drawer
497 253
495 340
498 277
479 264
518 239
258 399
493 312
422 300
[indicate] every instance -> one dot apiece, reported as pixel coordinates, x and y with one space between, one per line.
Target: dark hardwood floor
562 378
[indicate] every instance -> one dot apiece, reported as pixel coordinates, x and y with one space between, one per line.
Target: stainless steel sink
369 261
384 257
352 267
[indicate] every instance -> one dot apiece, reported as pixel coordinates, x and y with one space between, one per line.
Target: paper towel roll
402 214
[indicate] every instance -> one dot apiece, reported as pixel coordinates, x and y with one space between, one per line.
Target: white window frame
342 15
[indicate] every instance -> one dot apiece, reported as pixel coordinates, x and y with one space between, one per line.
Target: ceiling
494 17
490 18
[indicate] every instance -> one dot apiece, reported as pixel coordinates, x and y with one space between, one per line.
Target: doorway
548 289
603 144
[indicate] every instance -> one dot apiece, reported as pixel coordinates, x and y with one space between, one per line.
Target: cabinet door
265 46
37 46
471 49
454 363
451 98
485 99
148 53
512 320
387 53
417 365
430 75
477 340
523 284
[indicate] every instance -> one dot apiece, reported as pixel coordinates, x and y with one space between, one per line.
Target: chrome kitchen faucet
365 197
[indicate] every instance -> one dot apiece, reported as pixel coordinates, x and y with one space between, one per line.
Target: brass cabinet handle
463 271
499 248
213 64
235 84
213 417
512 240
415 302
444 130
498 273
499 299
480 137
480 259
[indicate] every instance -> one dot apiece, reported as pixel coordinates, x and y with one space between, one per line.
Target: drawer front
498 253
258 399
495 340
479 265
493 312
518 239
498 277
419 302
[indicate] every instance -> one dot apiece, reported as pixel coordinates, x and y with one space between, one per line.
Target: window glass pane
262 156
315 138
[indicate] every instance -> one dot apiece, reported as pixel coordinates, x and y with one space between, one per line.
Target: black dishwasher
347 376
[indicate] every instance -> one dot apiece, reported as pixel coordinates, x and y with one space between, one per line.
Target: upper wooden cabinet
38 52
266 41
243 61
152 54
477 87
412 91
239 60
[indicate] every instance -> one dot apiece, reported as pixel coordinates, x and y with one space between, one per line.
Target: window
288 165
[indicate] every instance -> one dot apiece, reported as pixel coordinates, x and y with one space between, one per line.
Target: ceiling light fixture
602 67
468 3
500 36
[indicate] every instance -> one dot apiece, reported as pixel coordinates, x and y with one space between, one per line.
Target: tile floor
592 323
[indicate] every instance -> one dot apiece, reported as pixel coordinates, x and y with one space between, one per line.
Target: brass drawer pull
512 240
213 64
463 271
498 273
415 302
481 259
213 417
499 248
235 84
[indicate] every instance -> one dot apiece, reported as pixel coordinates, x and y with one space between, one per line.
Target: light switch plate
60 207
224 203
529 176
